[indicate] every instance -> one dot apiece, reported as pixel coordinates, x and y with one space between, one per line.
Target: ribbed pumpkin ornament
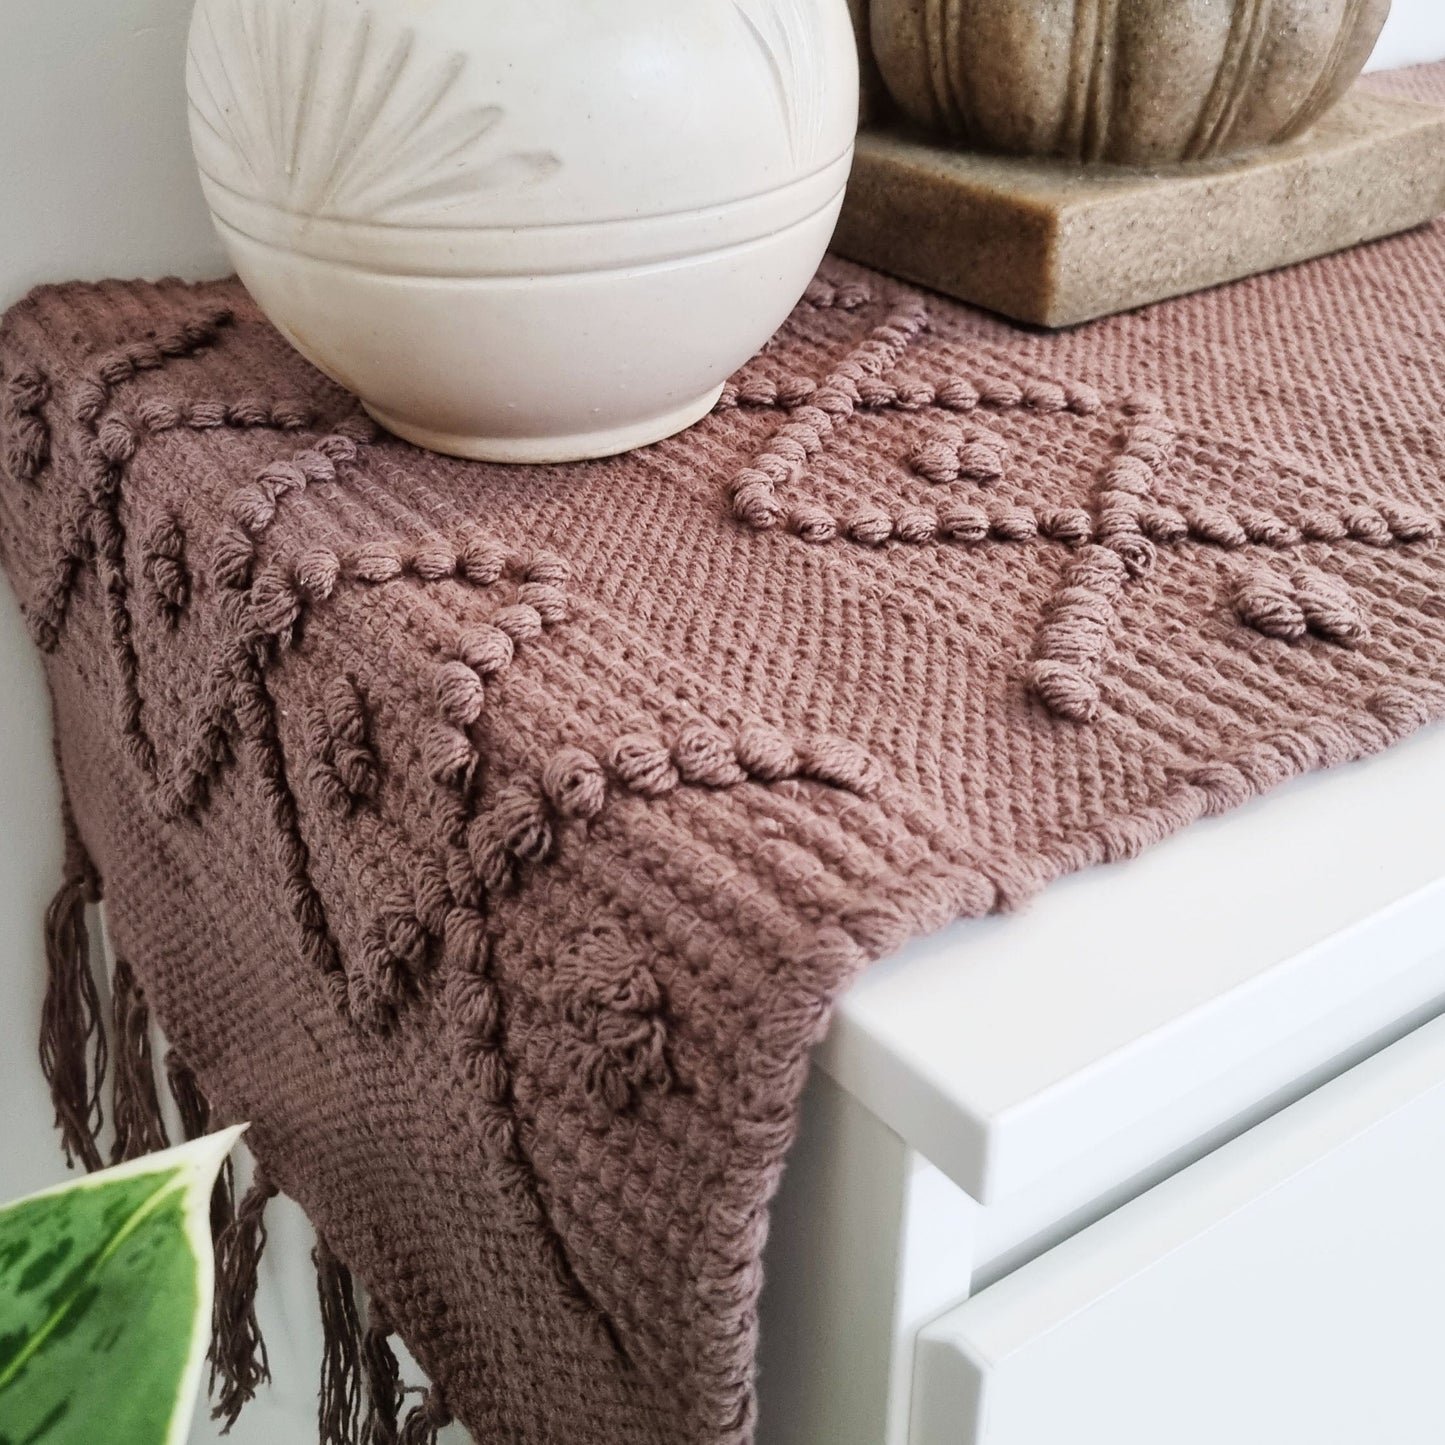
1126 82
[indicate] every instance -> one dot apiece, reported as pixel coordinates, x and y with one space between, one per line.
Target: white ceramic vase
525 230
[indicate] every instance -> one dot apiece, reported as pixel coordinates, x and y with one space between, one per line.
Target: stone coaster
1056 243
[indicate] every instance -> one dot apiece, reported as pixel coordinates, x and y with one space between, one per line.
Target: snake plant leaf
105 1302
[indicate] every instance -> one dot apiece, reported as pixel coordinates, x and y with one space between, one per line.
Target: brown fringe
239 1363
72 1034
135 1101
339 1412
426 1420
195 1111
383 1380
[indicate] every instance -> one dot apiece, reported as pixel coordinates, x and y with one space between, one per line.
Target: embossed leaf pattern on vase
334 114
788 35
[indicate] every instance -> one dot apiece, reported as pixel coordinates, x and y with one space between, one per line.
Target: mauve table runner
497 840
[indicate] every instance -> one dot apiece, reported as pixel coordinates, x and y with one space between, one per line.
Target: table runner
497 839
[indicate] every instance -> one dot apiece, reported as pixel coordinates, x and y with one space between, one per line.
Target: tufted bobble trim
523 822
1163 525
394 957
575 784
766 754
956 523
253 505
839 763
1288 608
90 525
520 621
518 829
162 414
448 752
952 393
472 558
487 649
1128 481
1064 675
473 1010
754 498
1072 526
281 593
448 756
1116 544
233 560
958 394
614 1011
27 433
1330 611
522 825
460 693
705 758
1408 524
825 295
1385 526
1217 527
163 550
93 394
947 453
1266 602
643 764
343 766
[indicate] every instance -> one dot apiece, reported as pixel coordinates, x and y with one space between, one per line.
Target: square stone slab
1056 243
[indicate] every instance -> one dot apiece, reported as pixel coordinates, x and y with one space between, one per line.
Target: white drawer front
1288 1289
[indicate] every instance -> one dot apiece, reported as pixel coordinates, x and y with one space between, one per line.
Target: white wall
95 165
1414 33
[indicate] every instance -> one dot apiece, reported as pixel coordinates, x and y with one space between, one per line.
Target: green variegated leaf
105 1302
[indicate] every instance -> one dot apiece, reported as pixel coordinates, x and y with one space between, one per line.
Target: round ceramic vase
525 230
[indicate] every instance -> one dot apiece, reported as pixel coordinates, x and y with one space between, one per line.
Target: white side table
973 1245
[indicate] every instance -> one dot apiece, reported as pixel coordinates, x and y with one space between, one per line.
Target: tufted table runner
496 840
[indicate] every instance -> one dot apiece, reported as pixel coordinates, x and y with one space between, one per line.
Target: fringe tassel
195 1111
72 1035
383 1380
135 1101
239 1363
191 1104
427 1420
339 1413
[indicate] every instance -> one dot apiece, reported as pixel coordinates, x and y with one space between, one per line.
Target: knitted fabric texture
497 839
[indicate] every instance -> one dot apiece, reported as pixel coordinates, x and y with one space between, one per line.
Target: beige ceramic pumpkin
1132 82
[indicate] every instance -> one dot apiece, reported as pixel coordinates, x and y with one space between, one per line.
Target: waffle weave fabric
496 840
